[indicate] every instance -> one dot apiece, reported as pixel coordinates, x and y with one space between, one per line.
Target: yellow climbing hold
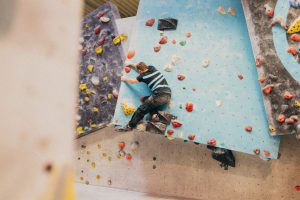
297 104
272 128
119 156
79 130
109 158
109 96
83 86
98 177
170 138
123 37
117 40
90 68
87 91
99 50
93 125
99 146
93 164
81 178
86 99
128 109
95 110
105 78
295 26
104 154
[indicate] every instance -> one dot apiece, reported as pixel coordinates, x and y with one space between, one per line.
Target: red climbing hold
281 118
100 14
170 132
256 151
101 41
194 89
297 188
173 41
262 79
180 77
163 40
248 129
191 137
130 54
176 124
97 30
127 69
128 156
267 89
295 37
212 142
157 48
287 95
188 35
142 99
115 94
150 22
292 50
267 153
121 145
240 76
189 107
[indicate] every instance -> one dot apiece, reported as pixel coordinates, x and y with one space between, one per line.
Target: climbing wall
212 50
277 58
100 69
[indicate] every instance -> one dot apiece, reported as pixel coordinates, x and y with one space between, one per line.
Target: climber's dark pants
150 105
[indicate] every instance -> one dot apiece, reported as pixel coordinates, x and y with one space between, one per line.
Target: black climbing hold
154 158
167 24
154 166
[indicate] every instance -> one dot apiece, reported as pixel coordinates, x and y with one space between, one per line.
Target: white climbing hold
221 10
219 103
175 59
81 40
78 117
95 80
168 68
205 63
104 19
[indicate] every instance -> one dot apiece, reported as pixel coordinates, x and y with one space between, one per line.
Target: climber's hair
141 66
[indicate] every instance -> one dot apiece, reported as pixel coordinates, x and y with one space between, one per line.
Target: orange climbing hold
189 107
163 40
212 142
262 79
267 153
188 35
121 145
267 89
176 124
173 41
292 50
170 132
192 137
287 95
248 129
281 118
259 60
130 54
256 151
150 22
181 77
295 37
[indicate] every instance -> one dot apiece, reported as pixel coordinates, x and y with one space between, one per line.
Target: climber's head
142 67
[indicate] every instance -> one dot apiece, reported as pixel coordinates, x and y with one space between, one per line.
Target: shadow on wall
7 11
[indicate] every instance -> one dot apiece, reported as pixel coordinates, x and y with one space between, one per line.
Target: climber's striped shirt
155 80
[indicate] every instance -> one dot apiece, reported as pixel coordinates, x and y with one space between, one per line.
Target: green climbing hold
180 106
182 43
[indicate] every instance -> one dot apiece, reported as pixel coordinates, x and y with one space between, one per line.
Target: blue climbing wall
224 40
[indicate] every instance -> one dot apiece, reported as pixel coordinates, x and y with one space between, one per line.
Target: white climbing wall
38 82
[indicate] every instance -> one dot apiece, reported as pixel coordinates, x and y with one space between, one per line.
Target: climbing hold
123 37
188 35
101 41
297 104
99 146
79 130
150 22
161 33
98 177
87 91
295 37
157 48
269 10
295 26
128 156
117 40
95 110
115 94
109 96
222 10
272 129
95 80
104 154
168 68
192 137
170 138
87 182
182 43
127 109
97 30
93 125
121 145
262 79
93 165
131 54
287 95
83 86
248 129
99 50
219 103
231 11
267 153
175 60
163 40
256 151
176 124
127 69
100 14
297 188
109 182
240 76
292 50
294 118
281 118
212 142
86 99
90 68
189 107
205 63
173 41
105 78
259 60
289 121
180 77
104 19
267 89
170 132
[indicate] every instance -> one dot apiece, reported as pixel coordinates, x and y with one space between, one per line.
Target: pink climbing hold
157 48
180 77
287 95
176 124
188 35
97 30
173 41
150 22
101 41
192 137
115 94
163 40
281 118
189 107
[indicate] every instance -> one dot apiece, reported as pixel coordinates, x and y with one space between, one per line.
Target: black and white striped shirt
155 80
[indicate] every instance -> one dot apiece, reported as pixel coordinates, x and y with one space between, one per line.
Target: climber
161 92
